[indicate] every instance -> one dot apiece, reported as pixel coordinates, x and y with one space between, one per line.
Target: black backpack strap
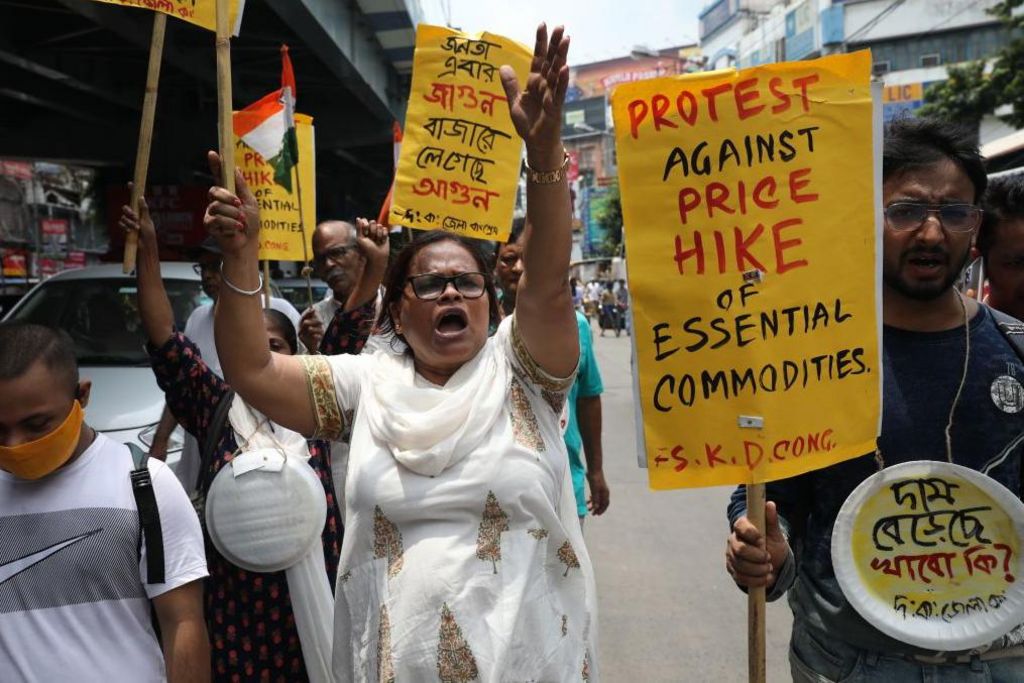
213 434
1012 329
149 515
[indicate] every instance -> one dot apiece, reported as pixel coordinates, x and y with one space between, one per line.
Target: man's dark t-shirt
921 374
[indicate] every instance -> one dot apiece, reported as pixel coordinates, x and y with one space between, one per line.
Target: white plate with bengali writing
929 553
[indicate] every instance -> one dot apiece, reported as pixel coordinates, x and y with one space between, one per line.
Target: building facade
587 132
912 42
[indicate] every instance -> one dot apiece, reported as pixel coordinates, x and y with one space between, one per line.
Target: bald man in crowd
338 262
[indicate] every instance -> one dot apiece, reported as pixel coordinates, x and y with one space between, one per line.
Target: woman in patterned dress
463 558
249 615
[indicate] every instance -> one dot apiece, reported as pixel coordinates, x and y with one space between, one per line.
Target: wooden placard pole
156 52
225 126
756 596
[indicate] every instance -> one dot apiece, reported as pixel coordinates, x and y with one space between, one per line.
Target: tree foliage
967 95
1007 78
609 217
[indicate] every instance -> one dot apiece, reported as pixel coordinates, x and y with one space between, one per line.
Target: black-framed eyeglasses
430 286
335 254
953 217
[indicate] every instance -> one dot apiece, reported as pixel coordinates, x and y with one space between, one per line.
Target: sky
599 29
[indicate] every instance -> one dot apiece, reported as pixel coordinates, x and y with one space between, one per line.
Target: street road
669 612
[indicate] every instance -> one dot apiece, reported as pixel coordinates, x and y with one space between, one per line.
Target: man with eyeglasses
339 261
943 357
344 255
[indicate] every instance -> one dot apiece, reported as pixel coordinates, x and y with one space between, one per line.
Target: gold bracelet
548 177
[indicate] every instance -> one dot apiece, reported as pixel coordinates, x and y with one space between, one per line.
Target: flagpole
306 270
156 51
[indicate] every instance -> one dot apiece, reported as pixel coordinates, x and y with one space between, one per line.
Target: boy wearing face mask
75 597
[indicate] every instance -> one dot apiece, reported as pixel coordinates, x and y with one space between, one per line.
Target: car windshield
102 316
298 296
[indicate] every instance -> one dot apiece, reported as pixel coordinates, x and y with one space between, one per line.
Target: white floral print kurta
478 573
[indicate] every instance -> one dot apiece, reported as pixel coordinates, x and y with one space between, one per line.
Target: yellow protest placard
929 553
199 12
750 210
460 159
280 221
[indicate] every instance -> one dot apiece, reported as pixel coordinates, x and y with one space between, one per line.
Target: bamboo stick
225 112
756 596
156 52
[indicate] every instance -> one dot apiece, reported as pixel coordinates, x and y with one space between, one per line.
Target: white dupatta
308 585
429 428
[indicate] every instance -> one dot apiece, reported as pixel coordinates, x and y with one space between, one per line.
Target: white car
98 307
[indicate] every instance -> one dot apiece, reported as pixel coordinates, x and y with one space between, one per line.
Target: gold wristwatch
548 177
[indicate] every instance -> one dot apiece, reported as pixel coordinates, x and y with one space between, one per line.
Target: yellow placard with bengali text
460 159
929 553
751 203
202 13
281 222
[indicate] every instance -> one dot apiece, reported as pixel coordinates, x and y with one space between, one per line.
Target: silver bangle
238 290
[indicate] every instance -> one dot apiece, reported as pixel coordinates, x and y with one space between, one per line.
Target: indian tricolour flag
268 126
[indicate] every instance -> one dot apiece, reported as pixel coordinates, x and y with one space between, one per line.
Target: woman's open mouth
451 322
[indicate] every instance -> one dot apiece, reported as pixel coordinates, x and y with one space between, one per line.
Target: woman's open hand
537 110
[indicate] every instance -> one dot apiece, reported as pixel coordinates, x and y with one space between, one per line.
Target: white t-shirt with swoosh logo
73 602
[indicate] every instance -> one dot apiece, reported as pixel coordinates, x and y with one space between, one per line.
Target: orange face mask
36 459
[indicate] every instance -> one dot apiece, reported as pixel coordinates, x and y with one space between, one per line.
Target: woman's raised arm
544 310
154 306
274 384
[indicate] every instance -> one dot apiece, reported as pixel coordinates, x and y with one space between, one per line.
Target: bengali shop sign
281 221
751 204
460 157
929 553
199 12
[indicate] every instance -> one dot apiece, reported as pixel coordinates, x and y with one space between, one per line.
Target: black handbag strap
213 434
149 515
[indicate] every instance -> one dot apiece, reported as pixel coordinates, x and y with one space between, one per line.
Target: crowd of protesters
448 404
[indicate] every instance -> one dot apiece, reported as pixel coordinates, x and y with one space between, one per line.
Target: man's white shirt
74 604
